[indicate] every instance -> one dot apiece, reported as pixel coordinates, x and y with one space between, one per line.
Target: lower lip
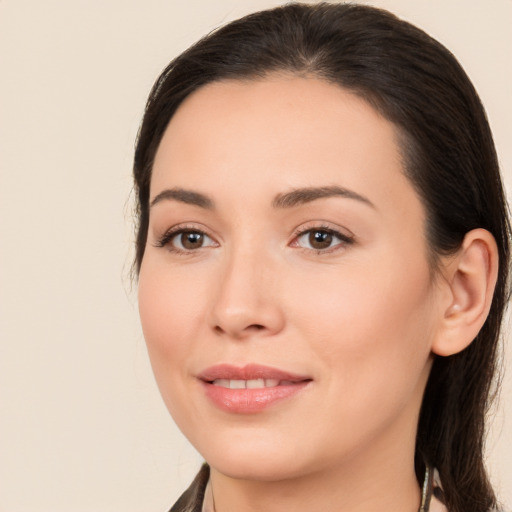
246 401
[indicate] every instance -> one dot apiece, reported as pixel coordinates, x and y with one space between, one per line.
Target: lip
250 400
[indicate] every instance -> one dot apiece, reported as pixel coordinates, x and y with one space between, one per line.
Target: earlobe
471 279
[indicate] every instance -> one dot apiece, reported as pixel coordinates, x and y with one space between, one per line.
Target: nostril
252 327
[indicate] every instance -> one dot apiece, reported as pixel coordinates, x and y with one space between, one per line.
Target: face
285 292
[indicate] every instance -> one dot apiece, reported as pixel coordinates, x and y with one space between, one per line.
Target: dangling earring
426 491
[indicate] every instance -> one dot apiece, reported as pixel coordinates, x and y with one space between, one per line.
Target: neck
368 483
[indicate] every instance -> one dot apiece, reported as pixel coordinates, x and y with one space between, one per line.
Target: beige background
82 427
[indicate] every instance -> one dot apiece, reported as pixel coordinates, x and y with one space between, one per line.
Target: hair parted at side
448 154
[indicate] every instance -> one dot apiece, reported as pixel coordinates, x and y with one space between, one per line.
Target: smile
249 389
251 384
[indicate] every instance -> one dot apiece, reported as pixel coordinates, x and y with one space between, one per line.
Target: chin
263 469
253 459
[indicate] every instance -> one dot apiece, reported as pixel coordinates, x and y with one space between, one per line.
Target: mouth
251 383
251 388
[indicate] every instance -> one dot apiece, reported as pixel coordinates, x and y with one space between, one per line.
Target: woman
322 253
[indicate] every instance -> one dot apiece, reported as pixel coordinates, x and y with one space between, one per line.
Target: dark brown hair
449 157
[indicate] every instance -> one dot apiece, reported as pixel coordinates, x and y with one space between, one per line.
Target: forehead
286 131
280 108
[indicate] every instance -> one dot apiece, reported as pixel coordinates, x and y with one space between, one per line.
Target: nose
246 303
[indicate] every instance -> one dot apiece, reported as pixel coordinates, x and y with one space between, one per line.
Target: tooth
255 383
250 384
237 384
223 383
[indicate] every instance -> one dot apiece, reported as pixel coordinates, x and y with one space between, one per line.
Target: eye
321 239
189 240
185 240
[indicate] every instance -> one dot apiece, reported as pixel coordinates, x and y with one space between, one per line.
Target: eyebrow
306 195
290 199
184 196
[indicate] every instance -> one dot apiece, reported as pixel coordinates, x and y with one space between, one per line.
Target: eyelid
165 239
345 236
323 225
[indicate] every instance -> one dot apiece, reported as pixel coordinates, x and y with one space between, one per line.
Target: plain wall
82 426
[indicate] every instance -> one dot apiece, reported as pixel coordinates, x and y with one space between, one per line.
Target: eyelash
344 239
166 239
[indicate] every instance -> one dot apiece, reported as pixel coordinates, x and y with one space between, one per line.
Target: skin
359 317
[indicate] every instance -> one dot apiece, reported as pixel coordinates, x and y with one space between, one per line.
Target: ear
470 278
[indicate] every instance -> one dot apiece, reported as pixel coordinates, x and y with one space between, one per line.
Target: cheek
372 324
370 332
171 313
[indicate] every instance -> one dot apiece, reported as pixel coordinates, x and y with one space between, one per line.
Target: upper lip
248 372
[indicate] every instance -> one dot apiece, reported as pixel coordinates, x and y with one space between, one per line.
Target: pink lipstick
251 388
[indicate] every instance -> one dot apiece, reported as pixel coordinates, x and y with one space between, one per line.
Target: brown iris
320 239
191 239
